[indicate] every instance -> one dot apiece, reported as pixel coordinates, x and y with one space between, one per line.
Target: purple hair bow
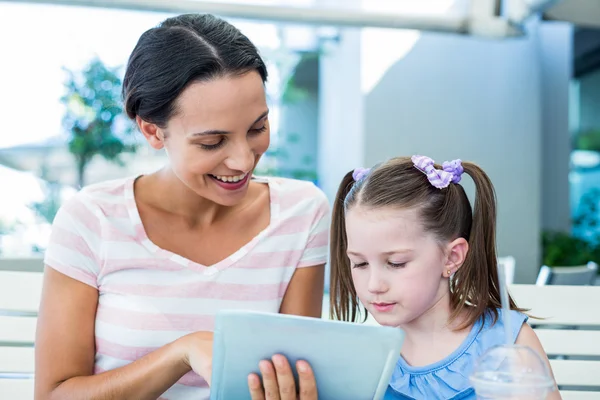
451 171
360 173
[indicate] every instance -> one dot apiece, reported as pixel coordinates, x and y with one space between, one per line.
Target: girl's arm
528 337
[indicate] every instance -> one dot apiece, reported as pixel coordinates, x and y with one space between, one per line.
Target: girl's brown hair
445 213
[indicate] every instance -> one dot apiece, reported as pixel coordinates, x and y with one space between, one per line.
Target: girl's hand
197 350
278 381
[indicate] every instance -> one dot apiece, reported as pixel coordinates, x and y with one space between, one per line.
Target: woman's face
217 136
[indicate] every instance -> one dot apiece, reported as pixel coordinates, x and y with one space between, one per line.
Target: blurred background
347 88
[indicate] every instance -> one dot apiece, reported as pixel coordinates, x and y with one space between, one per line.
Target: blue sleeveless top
448 379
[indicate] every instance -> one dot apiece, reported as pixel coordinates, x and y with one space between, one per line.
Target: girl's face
399 271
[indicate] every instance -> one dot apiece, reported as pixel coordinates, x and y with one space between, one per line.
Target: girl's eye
396 265
360 265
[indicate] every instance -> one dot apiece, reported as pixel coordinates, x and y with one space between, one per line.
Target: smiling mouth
229 178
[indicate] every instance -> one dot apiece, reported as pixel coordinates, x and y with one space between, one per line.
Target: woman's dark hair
182 50
445 213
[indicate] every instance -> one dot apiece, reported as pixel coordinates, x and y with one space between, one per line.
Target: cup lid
511 370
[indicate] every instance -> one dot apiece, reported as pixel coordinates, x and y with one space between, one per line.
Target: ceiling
585 16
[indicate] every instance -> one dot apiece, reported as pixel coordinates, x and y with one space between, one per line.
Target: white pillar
341 141
556 59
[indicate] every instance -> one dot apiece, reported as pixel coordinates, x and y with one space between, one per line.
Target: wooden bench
19 300
570 333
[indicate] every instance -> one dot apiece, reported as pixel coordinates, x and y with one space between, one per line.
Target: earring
449 272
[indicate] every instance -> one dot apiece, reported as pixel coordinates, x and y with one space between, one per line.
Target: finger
306 378
269 380
285 378
256 390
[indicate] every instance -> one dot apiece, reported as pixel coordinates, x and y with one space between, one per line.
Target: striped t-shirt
149 296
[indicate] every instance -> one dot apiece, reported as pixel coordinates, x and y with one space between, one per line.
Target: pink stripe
80 212
118 190
75 273
193 379
140 232
156 264
321 239
114 350
295 224
276 259
312 263
208 290
72 241
113 210
292 198
154 322
113 234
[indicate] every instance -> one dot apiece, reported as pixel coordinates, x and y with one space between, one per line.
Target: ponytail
475 286
343 301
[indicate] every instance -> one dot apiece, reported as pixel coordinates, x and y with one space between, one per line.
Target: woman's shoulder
298 193
108 198
114 189
293 185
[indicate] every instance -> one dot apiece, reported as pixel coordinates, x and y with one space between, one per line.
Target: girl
407 245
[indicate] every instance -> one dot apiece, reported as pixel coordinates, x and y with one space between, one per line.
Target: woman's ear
153 134
456 253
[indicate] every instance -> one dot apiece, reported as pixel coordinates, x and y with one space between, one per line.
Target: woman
137 268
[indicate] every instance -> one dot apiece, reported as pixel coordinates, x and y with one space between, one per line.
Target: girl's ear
456 253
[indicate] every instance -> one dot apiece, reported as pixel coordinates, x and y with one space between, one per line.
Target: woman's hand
278 381
197 350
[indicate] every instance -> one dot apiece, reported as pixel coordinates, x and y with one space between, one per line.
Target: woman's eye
212 146
256 131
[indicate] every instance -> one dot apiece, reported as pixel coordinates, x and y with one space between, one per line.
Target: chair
578 275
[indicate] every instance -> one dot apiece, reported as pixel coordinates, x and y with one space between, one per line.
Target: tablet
351 361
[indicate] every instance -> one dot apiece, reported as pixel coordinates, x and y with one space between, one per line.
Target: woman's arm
65 351
304 294
527 337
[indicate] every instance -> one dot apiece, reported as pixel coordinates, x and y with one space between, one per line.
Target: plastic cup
511 372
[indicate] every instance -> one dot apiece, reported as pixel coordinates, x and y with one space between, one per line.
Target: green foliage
293 93
589 212
565 249
94 117
47 208
587 140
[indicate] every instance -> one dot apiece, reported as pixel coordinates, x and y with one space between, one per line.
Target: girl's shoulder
449 378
